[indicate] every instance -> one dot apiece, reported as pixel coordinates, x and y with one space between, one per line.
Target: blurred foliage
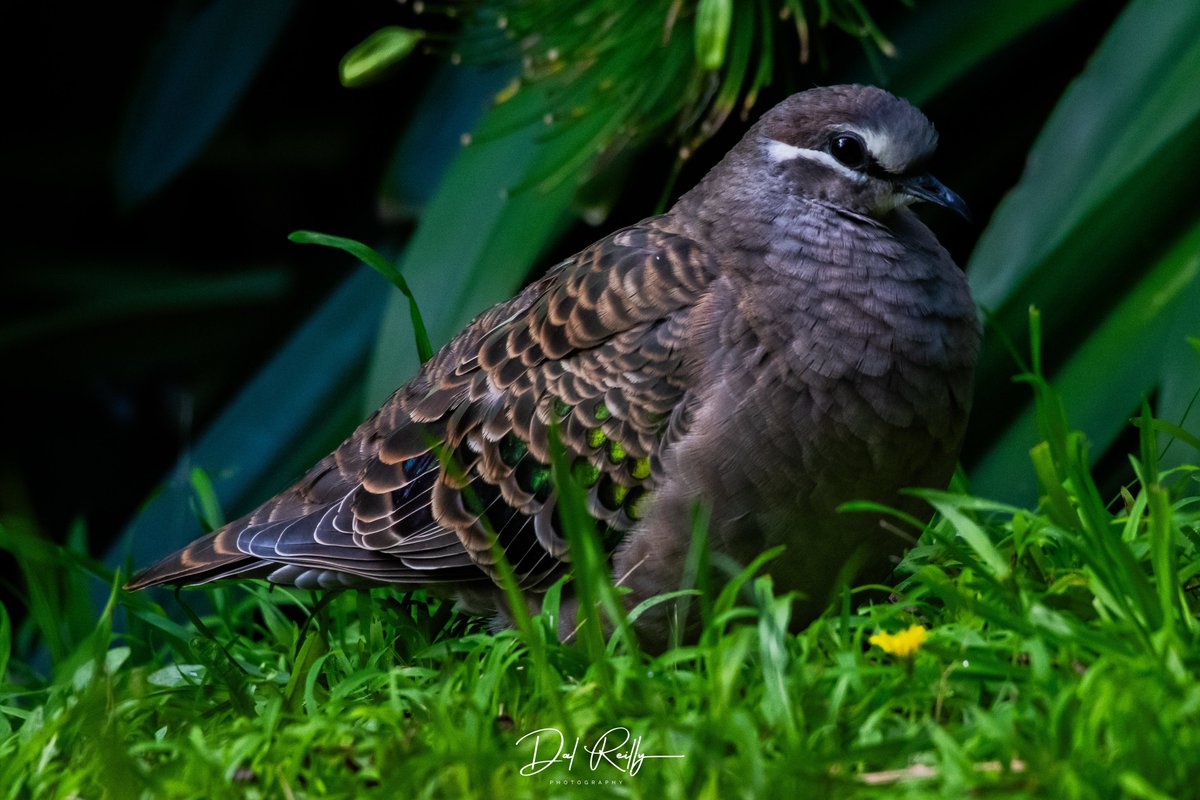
1102 232
199 73
373 58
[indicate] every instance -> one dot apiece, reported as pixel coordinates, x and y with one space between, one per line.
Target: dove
787 338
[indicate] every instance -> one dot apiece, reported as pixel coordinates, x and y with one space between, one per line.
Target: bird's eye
848 150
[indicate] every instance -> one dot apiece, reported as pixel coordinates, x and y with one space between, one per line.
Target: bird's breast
848 356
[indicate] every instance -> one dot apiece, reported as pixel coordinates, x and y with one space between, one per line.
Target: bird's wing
410 497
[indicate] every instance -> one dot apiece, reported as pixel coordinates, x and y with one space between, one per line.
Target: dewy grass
1060 658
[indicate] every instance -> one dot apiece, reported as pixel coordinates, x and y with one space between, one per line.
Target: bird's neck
808 262
800 235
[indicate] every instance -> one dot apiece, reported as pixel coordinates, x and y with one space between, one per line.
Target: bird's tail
209 558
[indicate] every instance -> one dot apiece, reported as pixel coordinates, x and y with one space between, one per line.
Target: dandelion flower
904 643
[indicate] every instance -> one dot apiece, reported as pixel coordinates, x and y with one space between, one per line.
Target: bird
786 338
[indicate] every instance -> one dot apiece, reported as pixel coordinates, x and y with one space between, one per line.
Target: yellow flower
902 644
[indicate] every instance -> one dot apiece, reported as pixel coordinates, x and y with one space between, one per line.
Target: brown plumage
787 338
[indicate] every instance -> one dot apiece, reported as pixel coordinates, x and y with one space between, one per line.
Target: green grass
1062 661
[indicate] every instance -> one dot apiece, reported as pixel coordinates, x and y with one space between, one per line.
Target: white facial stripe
782 151
882 149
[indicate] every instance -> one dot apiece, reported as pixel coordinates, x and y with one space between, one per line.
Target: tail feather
209 558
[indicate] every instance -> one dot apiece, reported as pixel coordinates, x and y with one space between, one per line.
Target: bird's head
857 148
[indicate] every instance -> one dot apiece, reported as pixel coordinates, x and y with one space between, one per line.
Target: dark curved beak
927 187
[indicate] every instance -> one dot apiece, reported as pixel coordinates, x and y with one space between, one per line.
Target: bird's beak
927 187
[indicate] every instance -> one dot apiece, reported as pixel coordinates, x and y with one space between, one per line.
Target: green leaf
1126 349
1137 95
1101 201
375 260
101 296
371 58
5 644
714 18
946 39
450 106
176 675
948 506
591 581
297 402
1171 430
482 232
208 505
311 652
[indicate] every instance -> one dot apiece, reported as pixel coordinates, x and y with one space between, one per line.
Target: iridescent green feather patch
585 473
534 478
637 503
640 468
512 449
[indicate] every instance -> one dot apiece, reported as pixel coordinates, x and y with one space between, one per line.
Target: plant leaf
371 58
375 260
949 38
478 238
714 18
1109 177
1126 348
287 409
204 66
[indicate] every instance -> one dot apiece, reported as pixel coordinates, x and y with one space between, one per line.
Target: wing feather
596 347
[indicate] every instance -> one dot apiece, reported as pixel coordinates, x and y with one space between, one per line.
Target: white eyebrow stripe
782 151
881 147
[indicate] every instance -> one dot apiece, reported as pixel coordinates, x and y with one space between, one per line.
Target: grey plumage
787 338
